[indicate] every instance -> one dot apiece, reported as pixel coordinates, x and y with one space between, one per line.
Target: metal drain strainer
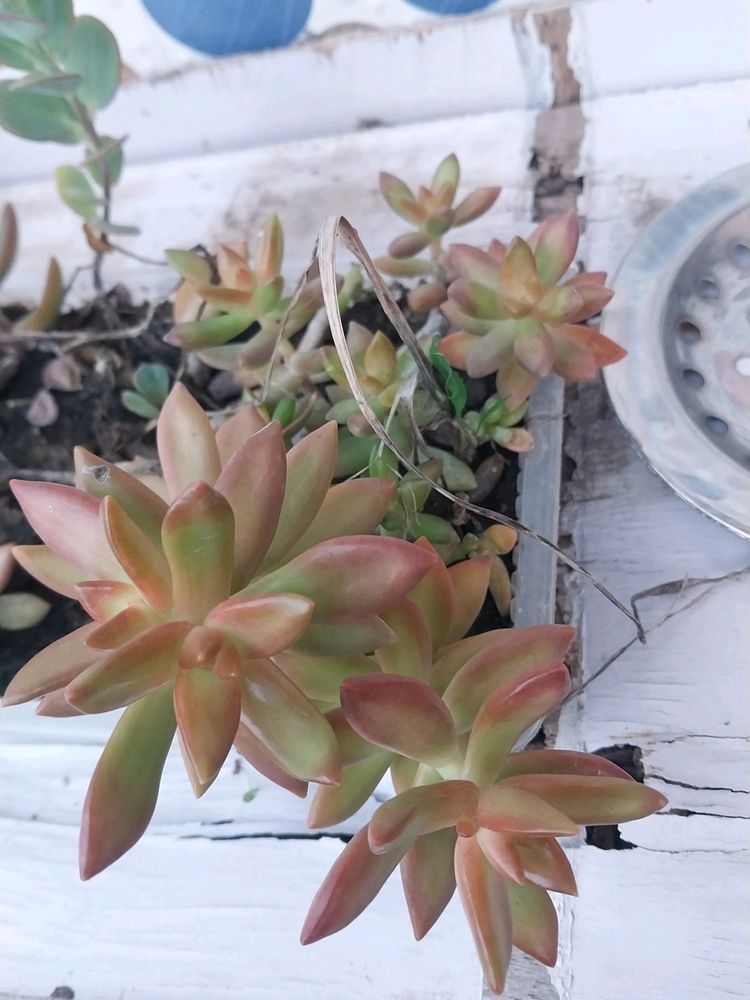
682 309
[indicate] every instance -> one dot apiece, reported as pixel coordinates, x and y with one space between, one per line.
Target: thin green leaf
17 55
47 83
455 388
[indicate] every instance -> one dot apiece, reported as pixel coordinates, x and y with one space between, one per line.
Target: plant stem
97 142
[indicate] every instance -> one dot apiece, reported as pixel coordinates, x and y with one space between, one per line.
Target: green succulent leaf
17 55
454 384
152 382
190 266
95 56
76 192
456 474
20 28
47 83
58 16
109 154
136 404
39 117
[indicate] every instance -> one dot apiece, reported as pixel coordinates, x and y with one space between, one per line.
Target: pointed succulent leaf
418 811
320 677
355 879
492 350
227 298
589 800
333 804
411 654
561 762
534 922
207 709
211 332
68 522
99 479
255 753
143 562
130 672
350 578
401 198
513 811
55 706
507 713
361 636
475 204
190 266
475 265
122 627
52 668
103 599
123 790
310 467
198 541
545 864
469 580
253 481
380 359
408 245
288 724
502 853
554 245
48 307
454 656
559 305
22 610
518 276
186 442
428 878
445 179
484 895
602 350
42 563
407 267
400 714
511 653
270 251
534 350
263 624
233 434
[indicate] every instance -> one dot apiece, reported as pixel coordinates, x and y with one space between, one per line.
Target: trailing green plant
68 70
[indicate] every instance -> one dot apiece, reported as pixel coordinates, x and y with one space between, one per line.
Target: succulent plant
213 308
432 213
150 391
470 811
515 320
494 421
241 552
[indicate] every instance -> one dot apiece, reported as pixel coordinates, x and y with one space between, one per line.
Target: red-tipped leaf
186 442
263 624
207 709
428 878
417 811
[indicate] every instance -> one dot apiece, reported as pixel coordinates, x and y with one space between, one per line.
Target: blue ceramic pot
451 6
224 27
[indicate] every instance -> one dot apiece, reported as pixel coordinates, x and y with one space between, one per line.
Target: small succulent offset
217 302
514 320
150 391
242 552
71 69
432 213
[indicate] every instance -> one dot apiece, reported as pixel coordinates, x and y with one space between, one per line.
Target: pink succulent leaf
332 804
502 853
512 811
130 672
123 790
418 811
401 714
350 578
534 350
253 482
122 627
573 361
320 677
428 879
186 442
589 800
53 667
310 467
507 713
426 296
518 276
56 706
270 251
464 321
207 709
408 245
478 300
554 243
457 347
492 350
294 732
534 922
67 521
355 879
257 754
406 267
361 636
561 762
435 598
233 434
103 599
47 567
262 624
401 199
469 580
515 383
142 560
603 350
101 479
454 656
411 654
594 297
546 865
355 507
559 305
198 541
475 204
474 264
484 895
508 656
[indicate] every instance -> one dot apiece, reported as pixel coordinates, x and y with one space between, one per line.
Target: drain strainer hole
739 254
743 365
689 332
708 290
716 425
693 378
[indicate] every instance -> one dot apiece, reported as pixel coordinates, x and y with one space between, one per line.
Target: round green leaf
152 381
75 190
94 54
137 404
40 117
58 16
109 154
